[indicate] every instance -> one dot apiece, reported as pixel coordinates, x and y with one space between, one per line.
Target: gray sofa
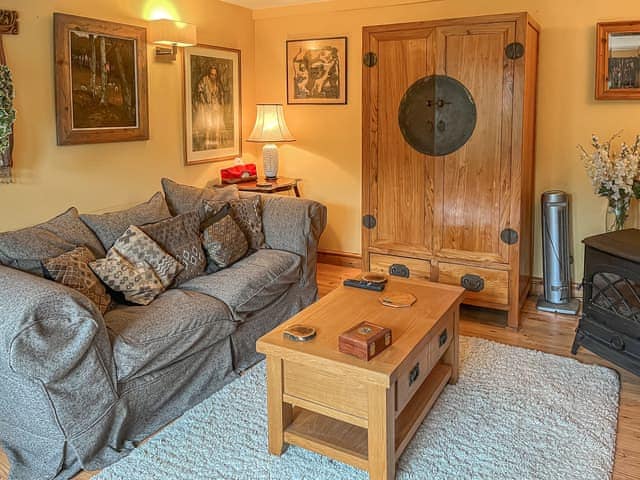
79 390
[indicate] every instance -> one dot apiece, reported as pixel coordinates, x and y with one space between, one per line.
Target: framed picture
212 104
317 71
618 61
101 81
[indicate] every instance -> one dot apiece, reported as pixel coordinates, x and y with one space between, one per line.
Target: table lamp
270 128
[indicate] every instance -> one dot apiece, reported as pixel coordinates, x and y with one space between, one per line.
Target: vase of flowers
7 118
615 176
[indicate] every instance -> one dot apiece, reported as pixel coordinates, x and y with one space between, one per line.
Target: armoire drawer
482 284
400 266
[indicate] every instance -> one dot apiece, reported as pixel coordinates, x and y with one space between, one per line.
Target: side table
281 184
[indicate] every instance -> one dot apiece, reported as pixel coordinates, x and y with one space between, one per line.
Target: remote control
377 287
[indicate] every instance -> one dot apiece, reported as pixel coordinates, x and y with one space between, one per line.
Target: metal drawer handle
473 283
414 374
443 337
617 343
399 270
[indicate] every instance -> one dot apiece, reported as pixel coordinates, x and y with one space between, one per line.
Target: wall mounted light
170 33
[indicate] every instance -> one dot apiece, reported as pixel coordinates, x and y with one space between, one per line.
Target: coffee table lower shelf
349 443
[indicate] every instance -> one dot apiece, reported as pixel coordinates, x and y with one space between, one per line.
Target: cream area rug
514 414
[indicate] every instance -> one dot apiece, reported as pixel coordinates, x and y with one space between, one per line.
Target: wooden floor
546 332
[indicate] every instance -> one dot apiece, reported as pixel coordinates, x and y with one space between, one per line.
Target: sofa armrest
56 337
295 225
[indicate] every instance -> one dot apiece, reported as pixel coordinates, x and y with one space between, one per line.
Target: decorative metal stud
370 59
514 50
509 236
369 221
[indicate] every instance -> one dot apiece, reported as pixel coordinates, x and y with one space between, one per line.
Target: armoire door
473 186
398 181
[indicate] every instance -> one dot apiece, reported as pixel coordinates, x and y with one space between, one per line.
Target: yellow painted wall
100 177
328 151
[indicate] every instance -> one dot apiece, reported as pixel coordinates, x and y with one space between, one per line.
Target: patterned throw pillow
224 242
180 237
247 212
136 247
72 269
139 283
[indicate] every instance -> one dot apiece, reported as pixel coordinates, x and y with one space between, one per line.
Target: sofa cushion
252 283
110 226
185 198
25 249
176 325
180 237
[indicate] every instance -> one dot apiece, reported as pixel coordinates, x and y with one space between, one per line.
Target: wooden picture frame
317 71
100 81
618 61
212 104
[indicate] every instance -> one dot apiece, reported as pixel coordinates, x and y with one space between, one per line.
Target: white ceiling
257 4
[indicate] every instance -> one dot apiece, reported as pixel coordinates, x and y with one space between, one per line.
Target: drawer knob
443 337
414 374
399 270
473 283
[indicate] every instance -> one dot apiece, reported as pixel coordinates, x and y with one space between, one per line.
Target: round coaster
374 277
397 299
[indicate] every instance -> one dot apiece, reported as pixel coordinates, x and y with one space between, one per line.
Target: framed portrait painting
317 71
101 81
618 61
212 104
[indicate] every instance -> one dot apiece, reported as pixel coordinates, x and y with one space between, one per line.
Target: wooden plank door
473 184
397 180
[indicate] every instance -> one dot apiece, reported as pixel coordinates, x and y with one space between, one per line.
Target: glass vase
617 213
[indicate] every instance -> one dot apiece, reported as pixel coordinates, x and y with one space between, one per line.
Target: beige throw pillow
139 283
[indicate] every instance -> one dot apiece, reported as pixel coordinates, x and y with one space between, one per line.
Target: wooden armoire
464 218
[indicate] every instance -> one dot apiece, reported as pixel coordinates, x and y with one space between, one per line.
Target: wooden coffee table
358 412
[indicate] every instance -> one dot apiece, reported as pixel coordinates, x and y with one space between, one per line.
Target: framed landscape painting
101 81
317 71
212 104
618 61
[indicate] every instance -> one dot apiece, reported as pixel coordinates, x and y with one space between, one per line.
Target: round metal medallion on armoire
437 115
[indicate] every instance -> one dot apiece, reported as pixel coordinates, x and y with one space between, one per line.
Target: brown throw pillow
224 242
185 198
139 283
247 212
72 269
180 237
136 247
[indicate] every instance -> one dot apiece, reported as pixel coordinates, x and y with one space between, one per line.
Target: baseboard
340 259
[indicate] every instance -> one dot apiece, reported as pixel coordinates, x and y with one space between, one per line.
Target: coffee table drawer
411 378
441 340
325 389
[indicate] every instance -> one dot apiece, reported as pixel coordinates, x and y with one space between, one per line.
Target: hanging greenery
7 113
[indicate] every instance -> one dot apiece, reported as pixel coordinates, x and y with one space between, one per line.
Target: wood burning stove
610 323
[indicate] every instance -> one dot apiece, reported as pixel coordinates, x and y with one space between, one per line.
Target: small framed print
101 81
212 104
618 61
317 71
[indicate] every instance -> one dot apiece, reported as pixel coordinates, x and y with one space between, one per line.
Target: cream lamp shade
173 34
270 128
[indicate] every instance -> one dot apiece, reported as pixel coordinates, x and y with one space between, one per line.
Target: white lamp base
270 159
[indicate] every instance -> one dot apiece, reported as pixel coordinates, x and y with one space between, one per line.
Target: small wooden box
365 340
